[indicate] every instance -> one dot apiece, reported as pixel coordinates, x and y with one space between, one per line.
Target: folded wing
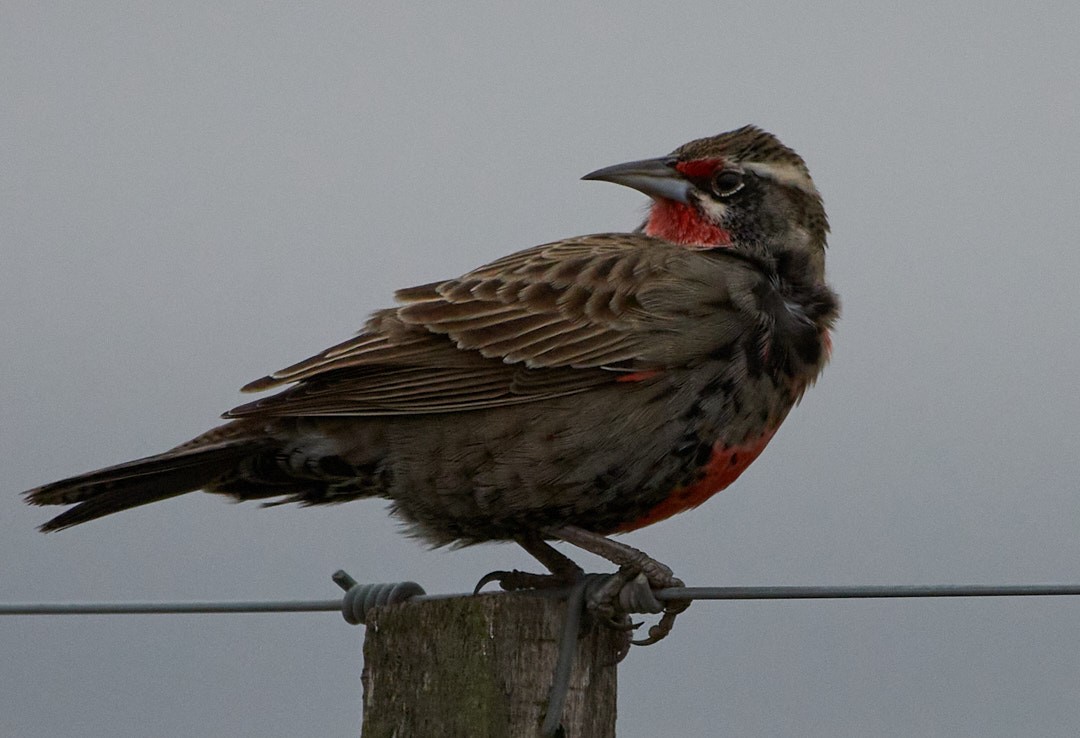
545 322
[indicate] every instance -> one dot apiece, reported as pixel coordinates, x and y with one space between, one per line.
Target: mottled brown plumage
599 382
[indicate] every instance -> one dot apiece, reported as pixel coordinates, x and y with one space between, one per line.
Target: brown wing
549 321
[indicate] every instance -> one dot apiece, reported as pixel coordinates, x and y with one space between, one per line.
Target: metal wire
169 608
664 595
867 591
359 599
564 662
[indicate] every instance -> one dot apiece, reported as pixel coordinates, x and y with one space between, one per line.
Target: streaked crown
756 150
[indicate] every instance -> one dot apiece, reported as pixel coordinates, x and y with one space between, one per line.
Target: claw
514 581
626 629
492 576
624 623
660 631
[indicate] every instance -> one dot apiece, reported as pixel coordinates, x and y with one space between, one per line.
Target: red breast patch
723 467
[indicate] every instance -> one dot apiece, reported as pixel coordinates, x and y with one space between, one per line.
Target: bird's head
743 190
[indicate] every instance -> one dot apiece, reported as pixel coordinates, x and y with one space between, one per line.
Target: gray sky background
192 194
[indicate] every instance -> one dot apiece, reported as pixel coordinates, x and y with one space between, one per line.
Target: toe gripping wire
360 599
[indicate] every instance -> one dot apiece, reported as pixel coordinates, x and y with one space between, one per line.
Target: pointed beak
657 178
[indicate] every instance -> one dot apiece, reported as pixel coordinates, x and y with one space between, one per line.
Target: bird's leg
564 572
620 554
563 569
629 560
560 565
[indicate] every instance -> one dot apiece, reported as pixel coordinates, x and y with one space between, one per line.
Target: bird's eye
727 182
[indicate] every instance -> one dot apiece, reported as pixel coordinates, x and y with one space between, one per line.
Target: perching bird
573 390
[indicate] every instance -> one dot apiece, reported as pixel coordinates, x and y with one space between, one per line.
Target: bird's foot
628 591
564 572
632 588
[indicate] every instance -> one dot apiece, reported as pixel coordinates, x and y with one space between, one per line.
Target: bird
567 392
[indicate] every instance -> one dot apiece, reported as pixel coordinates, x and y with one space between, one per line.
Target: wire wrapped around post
359 599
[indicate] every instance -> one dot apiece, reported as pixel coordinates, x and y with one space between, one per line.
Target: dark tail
142 481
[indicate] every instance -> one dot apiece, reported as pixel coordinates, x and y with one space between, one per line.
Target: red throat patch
723 467
679 223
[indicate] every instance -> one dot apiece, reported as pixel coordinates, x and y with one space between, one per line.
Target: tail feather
140 482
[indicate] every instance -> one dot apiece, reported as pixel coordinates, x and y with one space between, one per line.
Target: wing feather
545 322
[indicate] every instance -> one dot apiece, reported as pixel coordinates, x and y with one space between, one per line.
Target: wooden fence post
481 667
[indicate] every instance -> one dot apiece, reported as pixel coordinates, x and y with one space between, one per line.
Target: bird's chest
720 427
723 465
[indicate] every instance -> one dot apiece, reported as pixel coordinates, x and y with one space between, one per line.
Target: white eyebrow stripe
787 174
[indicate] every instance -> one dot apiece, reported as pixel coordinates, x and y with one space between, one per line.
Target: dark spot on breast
694 450
808 347
703 454
724 386
693 412
606 479
734 461
725 352
755 366
686 447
